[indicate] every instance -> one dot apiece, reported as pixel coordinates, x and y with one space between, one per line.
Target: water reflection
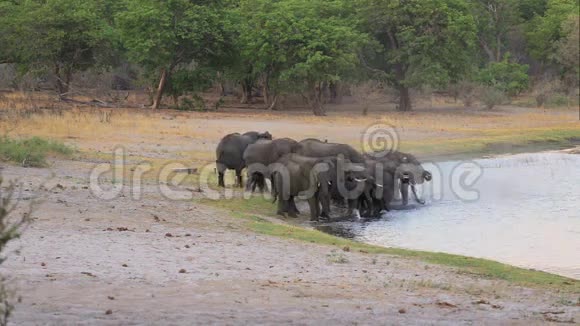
527 214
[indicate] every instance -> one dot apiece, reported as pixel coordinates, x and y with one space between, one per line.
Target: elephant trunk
324 197
405 192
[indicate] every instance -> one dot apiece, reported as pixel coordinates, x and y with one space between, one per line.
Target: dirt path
82 257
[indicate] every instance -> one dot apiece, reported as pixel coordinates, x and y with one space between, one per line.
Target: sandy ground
86 261
156 261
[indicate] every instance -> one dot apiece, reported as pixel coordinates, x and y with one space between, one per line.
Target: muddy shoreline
181 262
178 262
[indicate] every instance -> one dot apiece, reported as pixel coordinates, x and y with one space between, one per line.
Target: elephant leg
292 206
387 198
253 182
314 208
221 173
249 182
323 212
353 208
281 209
405 193
262 184
239 182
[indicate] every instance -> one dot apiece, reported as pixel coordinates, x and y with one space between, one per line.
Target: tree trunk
404 99
335 93
315 100
266 90
488 51
61 87
498 50
273 104
246 91
160 89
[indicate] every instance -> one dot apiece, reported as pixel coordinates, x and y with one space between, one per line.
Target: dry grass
191 136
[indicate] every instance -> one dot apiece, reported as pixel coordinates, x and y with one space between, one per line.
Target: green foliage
544 31
31 152
495 20
167 33
190 80
422 42
529 9
297 44
507 77
177 37
195 103
60 36
567 52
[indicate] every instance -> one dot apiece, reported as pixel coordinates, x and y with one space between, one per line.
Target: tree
545 31
567 53
165 36
298 45
495 19
62 36
423 42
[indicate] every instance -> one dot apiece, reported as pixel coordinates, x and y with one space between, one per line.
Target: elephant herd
319 172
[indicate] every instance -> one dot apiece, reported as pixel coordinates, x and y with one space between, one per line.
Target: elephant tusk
360 180
419 200
378 185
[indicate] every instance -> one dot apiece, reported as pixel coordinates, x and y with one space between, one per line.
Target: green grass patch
250 209
31 152
496 142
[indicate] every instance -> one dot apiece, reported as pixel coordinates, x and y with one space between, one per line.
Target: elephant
230 151
259 155
382 192
406 170
316 148
348 185
294 175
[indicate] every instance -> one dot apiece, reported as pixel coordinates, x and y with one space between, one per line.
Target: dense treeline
311 48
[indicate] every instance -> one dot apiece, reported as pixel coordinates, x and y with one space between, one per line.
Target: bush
30 152
508 77
467 92
557 100
195 103
544 89
491 97
10 227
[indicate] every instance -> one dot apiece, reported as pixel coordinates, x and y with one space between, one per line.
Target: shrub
10 227
491 97
544 89
30 152
557 100
467 92
508 77
195 103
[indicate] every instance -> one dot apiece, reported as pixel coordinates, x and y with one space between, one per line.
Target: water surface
523 210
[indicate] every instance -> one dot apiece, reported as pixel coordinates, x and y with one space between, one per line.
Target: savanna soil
85 260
